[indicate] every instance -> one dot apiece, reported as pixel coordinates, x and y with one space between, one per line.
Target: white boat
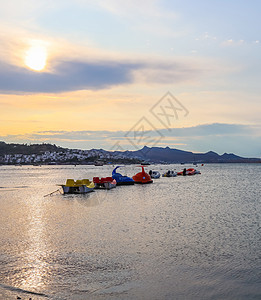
78 187
154 174
170 174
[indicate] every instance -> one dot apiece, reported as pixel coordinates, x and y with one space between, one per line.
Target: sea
185 237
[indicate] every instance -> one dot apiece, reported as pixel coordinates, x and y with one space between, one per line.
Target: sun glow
36 56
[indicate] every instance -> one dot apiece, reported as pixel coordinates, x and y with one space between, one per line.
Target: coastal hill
27 148
169 155
48 153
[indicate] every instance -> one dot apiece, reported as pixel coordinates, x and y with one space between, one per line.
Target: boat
104 183
77 187
142 177
145 163
194 171
190 171
170 174
154 174
120 179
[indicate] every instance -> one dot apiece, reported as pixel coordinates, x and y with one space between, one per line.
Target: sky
119 75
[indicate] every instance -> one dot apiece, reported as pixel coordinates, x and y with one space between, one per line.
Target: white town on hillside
69 155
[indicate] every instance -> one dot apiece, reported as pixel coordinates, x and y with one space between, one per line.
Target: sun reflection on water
35 274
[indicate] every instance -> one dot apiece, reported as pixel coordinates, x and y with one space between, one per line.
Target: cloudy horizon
195 139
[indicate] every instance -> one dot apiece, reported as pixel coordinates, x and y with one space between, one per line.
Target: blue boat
121 180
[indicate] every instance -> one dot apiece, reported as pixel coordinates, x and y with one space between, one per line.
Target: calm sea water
193 237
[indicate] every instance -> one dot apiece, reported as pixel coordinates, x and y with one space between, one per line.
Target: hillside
48 153
27 148
169 155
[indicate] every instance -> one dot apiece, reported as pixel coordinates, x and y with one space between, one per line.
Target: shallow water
193 237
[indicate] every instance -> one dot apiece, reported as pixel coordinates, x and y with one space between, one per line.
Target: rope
52 193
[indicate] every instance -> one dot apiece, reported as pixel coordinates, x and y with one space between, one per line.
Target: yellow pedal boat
78 187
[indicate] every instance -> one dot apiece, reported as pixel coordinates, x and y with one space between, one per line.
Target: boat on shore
170 173
82 186
142 177
154 174
121 179
190 171
104 183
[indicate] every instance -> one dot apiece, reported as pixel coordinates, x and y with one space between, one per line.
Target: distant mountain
168 155
41 153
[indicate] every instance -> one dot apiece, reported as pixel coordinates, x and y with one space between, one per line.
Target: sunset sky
96 74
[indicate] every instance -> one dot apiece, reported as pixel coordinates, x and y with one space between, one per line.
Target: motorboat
142 177
190 171
77 187
154 174
121 179
170 173
104 183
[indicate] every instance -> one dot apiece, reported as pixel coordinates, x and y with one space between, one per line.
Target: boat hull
142 177
82 189
105 185
125 183
144 182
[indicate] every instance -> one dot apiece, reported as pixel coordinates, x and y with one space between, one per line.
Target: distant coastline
49 154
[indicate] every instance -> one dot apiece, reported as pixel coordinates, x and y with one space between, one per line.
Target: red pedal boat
190 171
104 183
142 177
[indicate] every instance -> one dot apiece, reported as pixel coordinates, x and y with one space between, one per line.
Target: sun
36 56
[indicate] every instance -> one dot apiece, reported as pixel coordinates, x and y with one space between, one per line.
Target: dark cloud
68 76
95 75
213 129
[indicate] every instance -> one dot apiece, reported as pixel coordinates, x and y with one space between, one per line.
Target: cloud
231 42
244 140
206 36
215 129
168 73
68 76
73 67
72 75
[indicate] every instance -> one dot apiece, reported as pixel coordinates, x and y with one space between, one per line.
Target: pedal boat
142 177
190 171
170 174
77 187
154 174
104 183
121 180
